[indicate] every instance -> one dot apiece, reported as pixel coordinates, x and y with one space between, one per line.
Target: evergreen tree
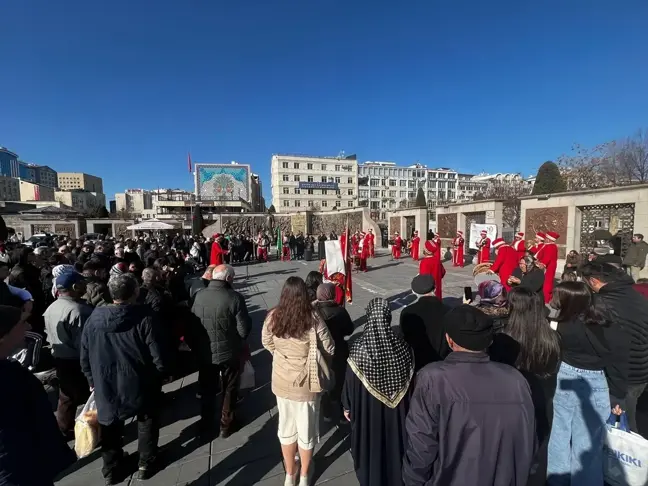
420 199
272 209
549 180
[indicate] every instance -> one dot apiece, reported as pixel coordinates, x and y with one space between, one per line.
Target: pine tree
272 209
420 199
549 180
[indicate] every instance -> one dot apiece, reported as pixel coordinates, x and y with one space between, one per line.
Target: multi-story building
9 189
136 202
112 207
30 191
468 187
305 181
79 180
385 186
257 202
44 175
81 200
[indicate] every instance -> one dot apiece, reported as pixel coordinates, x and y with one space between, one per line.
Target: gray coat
636 256
223 314
64 321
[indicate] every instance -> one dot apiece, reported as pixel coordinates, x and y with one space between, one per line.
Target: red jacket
216 257
505 262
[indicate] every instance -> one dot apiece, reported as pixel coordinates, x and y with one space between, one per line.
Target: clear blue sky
124 88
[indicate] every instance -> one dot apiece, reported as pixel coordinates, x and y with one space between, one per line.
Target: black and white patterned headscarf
382 360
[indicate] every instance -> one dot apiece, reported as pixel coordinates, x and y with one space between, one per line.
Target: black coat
223 313
533 280
471 422
121 357
32 450
421 325
629 309
340 325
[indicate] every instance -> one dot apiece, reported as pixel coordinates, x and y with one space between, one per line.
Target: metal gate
618 219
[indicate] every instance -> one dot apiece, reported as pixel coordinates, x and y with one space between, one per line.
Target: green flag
279 241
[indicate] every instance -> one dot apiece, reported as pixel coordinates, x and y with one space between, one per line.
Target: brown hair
293 316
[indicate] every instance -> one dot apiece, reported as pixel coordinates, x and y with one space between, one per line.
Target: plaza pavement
252 455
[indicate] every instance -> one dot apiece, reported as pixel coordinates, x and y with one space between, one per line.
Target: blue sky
124 88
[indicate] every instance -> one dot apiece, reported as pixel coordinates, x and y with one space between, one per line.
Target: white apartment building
321 183
138 202
385 186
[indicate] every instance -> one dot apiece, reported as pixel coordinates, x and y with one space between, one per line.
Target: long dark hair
539 351
293 316
575 300
313 280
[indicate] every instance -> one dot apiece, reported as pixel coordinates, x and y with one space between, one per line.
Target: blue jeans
581 407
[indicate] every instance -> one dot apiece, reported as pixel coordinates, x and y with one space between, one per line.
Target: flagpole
347 268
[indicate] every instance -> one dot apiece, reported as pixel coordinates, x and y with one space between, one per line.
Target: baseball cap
67 280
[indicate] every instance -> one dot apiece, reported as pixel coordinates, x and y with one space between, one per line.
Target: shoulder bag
320 375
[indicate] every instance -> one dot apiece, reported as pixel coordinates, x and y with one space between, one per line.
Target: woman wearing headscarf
376 398
528 275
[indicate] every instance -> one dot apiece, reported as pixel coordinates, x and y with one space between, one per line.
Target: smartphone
468 294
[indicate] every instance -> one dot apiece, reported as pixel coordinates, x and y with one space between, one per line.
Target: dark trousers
148 434
211 377
332 400
73 391
632 397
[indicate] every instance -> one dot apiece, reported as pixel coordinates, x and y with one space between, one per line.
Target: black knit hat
423 284
9 317
469 327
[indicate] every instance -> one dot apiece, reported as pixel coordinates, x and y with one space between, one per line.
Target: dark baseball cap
67 280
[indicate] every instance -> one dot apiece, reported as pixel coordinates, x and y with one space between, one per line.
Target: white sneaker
304 480
290 480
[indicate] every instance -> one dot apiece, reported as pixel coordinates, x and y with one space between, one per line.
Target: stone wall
334 221
395 225
240 223
14 221
547 219
68 229
447 225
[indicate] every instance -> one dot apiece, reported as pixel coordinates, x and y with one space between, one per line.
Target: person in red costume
217 252
396 247
539 242
337 279
355 244
506 260
547 257
431 265
519 245
372 243
436 240
483 247
458 250
415 246
285 249
364 251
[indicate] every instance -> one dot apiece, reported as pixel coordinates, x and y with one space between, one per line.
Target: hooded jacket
122 359
629 310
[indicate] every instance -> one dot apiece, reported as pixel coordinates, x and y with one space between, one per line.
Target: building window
350 180
310 178
284 165
296 165
297 203
323 178
350 204
402 183
324 204
337 168
286 203
338 204
285 177
374 182
310 191
297 191
411 184
349 192
309 166
324 192
310 203
323 166
286 190
296 178
337 191
403 194
392 182
392 193
375 193
337 180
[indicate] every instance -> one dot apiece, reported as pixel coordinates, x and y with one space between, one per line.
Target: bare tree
509 192
633 156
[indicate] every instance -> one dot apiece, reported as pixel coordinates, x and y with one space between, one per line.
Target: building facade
80 200
312 182
136 202
256 187
9 189
30 191
78 180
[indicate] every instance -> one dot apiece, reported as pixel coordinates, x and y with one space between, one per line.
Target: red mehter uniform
458 250
439 250
415 246
364 252
396 247
540 239
285 249
548 256
519 245
262 247
217 252
431 265
372 243
505 262
483 248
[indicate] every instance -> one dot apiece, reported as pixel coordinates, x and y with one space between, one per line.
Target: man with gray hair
123 362
223 314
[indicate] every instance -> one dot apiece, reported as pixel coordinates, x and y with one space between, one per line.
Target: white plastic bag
626 455
247 377
86 429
